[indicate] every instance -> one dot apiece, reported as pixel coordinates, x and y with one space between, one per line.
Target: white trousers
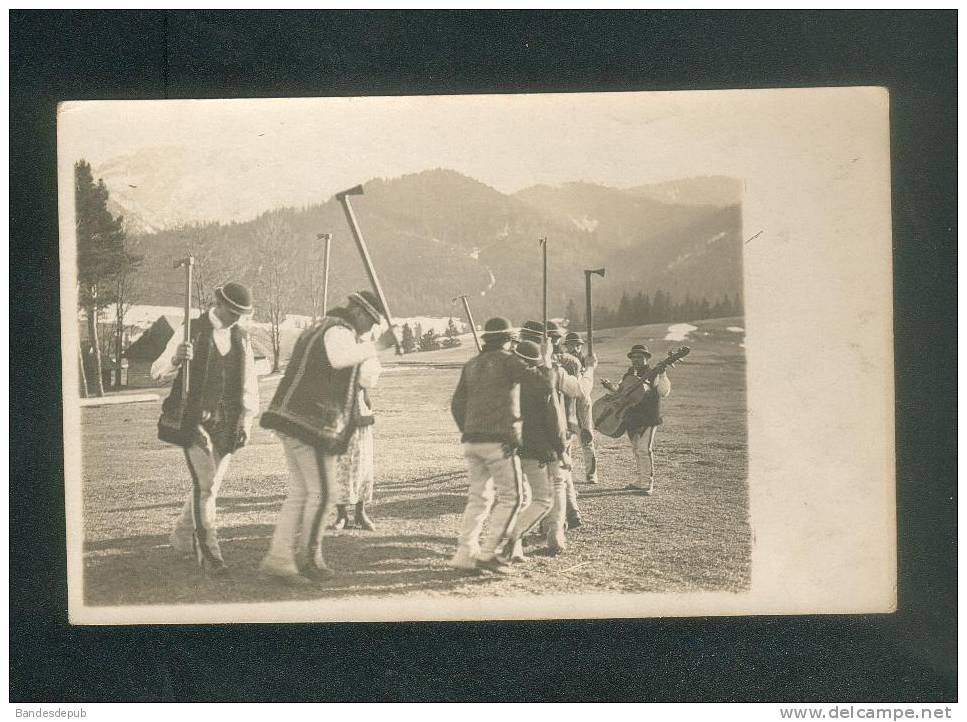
548 496
196 528
643 449
298 529
588 452
493 473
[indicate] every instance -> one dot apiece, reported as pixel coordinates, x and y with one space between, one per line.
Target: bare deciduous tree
274 264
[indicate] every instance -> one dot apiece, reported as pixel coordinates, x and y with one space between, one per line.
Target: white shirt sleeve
250 392
369 372
344 350
587 381
570 385
162 369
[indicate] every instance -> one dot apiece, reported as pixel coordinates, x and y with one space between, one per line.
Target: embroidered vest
215 393
314 402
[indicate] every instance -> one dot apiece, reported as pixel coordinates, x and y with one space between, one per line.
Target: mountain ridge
437 233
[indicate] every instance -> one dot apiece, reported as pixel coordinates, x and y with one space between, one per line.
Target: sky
307 149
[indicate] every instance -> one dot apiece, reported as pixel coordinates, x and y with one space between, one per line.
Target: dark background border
909 656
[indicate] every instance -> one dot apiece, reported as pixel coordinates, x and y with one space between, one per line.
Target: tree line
104 269
415 339
642 309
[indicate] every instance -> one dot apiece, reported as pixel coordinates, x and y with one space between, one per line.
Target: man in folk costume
643 420
486 408
574 345
542 453
216 418
314 412
356 469
573 384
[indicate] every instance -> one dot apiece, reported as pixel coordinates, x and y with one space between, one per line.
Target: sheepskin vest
214 394
314 402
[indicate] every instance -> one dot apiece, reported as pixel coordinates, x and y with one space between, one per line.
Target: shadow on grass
421 483
429 507
227 503
145 570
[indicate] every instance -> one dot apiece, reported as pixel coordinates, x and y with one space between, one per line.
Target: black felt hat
574 337
369 303
498 326
529 351
532 331
236 296
639 350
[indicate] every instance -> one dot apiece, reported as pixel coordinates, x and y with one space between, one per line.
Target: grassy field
692 534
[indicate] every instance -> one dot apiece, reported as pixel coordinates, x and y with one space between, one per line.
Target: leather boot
573 517
362 519
342 517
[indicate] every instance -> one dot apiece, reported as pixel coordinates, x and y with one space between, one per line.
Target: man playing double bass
643 419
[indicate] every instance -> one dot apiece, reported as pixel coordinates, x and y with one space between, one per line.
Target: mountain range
437 234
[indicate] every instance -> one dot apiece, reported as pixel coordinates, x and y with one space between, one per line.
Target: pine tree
643 308
409 340
625 315
452 331
101 256
429 341
575 322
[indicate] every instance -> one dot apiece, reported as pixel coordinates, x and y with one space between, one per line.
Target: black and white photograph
477 357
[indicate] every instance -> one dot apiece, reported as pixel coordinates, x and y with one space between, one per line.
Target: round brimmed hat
529 351
236 297
497 326
532 331
554 329
574 337
369 303
639 350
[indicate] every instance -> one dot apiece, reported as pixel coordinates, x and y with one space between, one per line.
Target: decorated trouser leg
196 530
480 498
493 473
590 455
642 446
558 513
297 540
538 482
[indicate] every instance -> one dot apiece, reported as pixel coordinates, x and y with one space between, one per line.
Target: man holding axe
315 412
210 410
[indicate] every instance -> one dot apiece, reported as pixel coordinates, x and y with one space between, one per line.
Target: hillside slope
437 234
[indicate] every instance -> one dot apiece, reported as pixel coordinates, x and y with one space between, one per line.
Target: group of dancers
522 405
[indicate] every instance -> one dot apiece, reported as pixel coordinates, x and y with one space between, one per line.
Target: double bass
609 411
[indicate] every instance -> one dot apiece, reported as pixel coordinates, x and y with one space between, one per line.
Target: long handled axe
473 327
543 244
587 298
188 262
327 237
342 197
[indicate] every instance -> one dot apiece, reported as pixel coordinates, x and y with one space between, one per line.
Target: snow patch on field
679 331
735 329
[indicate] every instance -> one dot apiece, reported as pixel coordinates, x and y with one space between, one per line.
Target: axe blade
354 191
597 271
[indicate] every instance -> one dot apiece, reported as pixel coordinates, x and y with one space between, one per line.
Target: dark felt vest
648 411
215 395
314 402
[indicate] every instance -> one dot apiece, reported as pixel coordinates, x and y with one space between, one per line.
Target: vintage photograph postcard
588 355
